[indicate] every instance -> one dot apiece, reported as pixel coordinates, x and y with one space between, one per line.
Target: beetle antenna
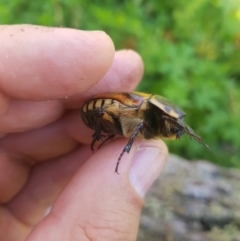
190 132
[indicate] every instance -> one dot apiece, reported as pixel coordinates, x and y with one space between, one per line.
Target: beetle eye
173 130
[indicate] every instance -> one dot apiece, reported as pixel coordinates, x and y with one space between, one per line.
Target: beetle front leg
127 148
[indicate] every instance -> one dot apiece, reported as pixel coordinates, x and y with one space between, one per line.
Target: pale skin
46 74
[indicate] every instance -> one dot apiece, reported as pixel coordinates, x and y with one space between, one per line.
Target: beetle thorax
130 117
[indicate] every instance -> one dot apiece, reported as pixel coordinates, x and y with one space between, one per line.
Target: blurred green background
191 51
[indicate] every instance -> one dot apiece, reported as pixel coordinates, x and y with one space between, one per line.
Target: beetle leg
127 148
97 134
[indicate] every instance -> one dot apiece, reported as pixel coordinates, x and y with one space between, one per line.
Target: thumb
98 204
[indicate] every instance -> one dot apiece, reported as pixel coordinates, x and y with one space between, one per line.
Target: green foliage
191 51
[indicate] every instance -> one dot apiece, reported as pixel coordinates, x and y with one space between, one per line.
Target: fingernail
146 166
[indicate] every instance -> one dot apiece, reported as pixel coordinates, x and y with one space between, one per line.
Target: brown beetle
134 115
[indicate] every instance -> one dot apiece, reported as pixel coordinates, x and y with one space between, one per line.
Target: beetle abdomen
97 103
101 112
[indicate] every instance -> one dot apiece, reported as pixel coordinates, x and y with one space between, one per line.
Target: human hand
46 74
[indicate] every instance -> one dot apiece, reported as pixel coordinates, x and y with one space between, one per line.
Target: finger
11 228
13 176
39 63
62 136
127 68
97 201
23 149
123 76
46 181
25 115
43 69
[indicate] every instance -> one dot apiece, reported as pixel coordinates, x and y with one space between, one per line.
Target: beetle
134 115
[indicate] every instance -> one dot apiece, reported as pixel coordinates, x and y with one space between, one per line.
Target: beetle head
177 128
